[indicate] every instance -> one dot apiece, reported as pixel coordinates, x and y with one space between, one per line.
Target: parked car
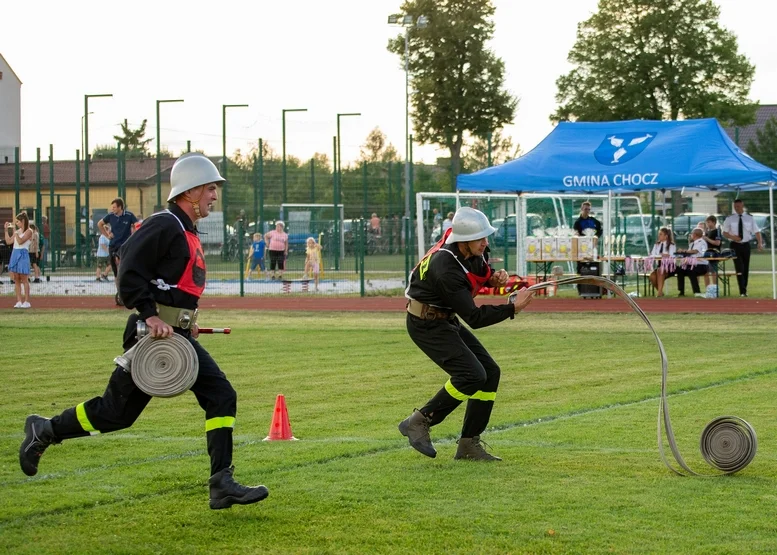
635 235
762 222
506 227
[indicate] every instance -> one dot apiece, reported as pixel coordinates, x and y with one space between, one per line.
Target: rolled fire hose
728 443
161 367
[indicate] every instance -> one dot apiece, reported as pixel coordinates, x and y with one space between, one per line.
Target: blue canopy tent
626 157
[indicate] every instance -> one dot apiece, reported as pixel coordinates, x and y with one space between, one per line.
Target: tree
502 150
132 141
375 148
764 149
458 82
655 59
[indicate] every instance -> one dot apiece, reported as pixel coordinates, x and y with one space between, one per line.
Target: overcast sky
328 57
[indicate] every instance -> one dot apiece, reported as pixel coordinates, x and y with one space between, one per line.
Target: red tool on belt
226 331
141 330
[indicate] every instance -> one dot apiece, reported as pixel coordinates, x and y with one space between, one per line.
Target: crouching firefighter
162 276
441 290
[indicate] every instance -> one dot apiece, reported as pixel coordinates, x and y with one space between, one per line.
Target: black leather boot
225 492
416 428
471 448
38 434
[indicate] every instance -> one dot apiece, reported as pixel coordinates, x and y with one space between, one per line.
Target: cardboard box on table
565 249
583 247
533 249
549 248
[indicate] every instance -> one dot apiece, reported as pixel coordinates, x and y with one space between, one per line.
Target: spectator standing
35 253
739 228
103 244
714 238
587 221
121 227
313 260
447 223
694 265
277 248
375 224
256 255
436 217
19 265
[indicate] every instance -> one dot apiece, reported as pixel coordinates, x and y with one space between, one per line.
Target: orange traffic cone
280 427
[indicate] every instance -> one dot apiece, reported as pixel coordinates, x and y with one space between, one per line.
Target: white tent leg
771 238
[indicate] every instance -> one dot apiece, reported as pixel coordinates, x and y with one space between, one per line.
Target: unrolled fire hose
728 443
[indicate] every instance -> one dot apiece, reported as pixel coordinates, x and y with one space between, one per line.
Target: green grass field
575 421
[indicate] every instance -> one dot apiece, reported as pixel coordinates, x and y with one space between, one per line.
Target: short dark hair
712 219
738 200
118 201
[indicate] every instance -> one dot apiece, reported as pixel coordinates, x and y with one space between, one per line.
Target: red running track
726 305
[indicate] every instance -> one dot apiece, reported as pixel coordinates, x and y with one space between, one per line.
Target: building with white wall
10 112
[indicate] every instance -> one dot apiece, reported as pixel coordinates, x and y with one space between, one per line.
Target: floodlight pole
283 124
407 21
338 161
86 168
224 171
158 206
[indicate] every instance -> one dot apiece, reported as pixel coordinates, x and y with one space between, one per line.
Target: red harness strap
475 281
193 278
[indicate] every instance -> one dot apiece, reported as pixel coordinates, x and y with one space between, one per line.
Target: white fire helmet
469 225
192 170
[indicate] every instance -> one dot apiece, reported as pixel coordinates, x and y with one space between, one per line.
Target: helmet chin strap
195 203
465 250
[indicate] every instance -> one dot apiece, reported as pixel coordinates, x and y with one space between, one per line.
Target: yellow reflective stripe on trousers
219 422
84 420
455 393
484 395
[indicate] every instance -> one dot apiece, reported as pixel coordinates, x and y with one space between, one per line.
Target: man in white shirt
740 228
694 265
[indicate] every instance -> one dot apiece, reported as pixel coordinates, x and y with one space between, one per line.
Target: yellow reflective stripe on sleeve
455 393
484 395
84 420
423 267
219 422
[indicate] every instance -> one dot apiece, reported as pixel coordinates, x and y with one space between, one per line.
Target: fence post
413 215
39 204
118 174
337 231
52 217
240 260
406 235
261 187
78 210
364 190
17 181
313 180
362 248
